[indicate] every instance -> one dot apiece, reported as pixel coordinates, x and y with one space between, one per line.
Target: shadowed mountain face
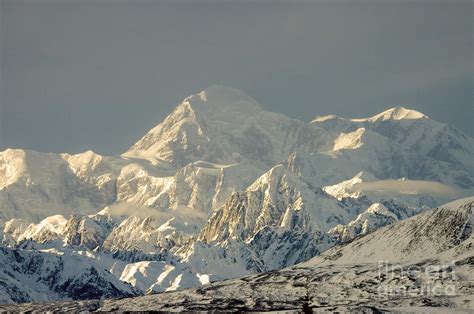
222 188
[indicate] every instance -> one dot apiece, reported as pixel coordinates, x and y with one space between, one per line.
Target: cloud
407 187
182 215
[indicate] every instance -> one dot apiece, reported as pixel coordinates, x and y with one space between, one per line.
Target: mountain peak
202 127
220 92
377 208
220 103
397 113
325 118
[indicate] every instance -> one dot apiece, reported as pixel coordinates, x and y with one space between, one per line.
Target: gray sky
81 75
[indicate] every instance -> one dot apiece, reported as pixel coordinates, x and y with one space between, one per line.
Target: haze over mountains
219 189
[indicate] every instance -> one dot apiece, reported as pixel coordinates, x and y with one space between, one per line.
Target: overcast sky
97 75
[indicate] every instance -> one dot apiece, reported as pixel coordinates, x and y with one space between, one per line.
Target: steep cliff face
278 198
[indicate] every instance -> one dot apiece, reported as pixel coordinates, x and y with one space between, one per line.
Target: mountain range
220 189
424 265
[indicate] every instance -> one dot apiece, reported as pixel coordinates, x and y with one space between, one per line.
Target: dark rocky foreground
415 287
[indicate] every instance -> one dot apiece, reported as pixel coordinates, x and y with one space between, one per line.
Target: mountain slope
375 217
421 236
439 280
37 185
375 154
413 130
279 220
278 198
445 232
224 126
27 276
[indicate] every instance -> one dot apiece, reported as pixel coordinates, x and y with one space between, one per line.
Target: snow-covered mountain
214 143
375 217
427 267
224 126
222 188
413 130
421 236
278 198
27 276
35 185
